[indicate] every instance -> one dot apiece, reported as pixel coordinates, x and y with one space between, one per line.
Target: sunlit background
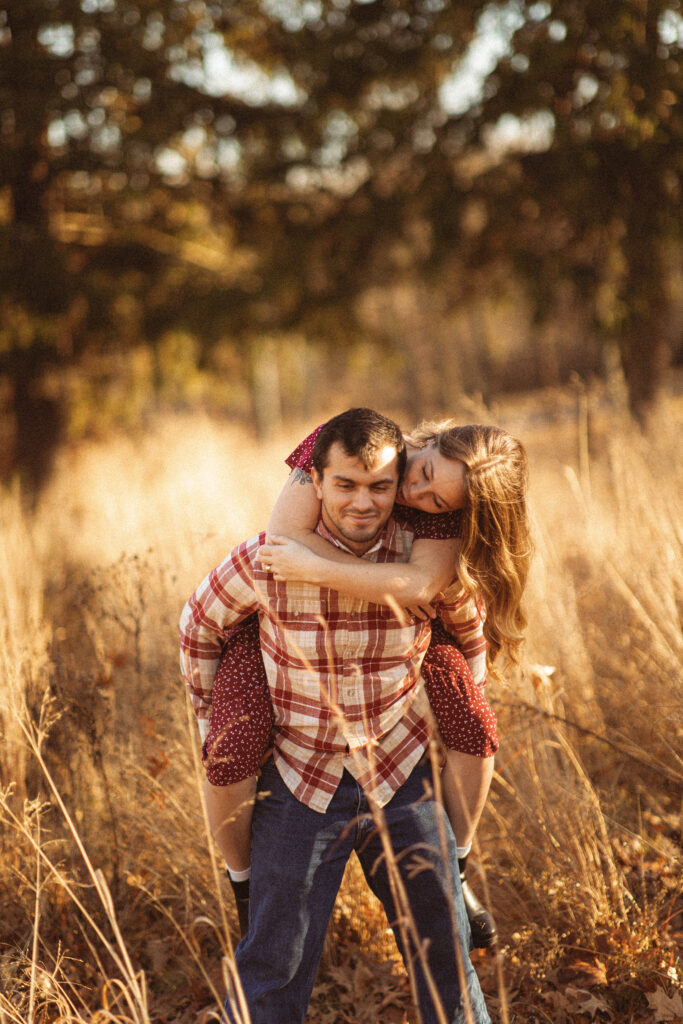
219 224
269 210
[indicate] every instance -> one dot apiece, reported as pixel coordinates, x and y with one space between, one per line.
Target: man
351 728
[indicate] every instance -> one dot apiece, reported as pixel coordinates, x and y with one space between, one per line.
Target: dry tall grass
110 897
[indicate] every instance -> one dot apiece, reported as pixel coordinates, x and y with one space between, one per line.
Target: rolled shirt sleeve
464 618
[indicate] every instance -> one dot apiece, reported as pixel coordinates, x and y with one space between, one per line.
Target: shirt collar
392 538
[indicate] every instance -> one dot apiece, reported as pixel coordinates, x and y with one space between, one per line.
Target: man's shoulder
252 544
454 592
246 552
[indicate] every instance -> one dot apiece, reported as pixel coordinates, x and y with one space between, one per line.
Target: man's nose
362 498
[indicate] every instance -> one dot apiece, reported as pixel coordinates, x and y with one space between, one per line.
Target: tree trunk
646 344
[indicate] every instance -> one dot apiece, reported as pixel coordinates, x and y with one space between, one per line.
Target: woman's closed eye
438 502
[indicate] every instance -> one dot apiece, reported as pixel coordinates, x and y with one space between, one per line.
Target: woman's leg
466 780
239 736
467 725
230 810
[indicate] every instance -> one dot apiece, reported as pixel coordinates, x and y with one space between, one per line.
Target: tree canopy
254 167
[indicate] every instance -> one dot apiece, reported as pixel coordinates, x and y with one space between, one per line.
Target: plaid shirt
343 674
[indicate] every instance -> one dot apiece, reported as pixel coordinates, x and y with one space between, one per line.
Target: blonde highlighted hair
496 550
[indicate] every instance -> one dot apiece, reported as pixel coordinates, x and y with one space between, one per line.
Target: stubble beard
365 541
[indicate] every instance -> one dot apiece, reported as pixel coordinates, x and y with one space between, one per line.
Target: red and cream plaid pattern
344 675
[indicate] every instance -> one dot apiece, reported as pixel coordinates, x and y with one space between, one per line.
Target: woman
464 495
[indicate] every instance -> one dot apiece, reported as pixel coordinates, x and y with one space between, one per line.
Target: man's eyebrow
349 480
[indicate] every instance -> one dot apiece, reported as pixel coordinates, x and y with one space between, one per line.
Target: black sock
240 889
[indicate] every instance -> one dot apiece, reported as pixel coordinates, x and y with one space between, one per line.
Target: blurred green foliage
245 205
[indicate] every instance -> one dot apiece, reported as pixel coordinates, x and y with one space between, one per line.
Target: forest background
265 207
218 224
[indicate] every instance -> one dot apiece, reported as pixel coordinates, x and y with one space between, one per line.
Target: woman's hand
425 611
289 560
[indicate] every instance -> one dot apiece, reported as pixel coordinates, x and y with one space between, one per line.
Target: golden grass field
113 905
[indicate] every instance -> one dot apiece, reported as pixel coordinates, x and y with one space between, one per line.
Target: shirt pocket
306 609
305 630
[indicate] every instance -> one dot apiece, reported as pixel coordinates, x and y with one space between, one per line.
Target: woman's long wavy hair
496 547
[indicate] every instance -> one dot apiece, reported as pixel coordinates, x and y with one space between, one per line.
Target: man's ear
317 482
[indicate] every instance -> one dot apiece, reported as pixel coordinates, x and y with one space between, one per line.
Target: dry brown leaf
667 1008
585 971
560 1005
587 1002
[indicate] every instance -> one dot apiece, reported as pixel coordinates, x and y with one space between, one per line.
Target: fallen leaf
667 1008
586 1002
559 1003
585 972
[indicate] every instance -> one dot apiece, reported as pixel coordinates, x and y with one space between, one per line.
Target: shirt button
346 749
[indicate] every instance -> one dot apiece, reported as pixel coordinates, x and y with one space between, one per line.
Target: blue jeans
298 859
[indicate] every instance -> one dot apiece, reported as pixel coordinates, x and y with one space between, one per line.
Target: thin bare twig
668 773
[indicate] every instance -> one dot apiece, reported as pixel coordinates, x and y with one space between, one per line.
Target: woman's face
431 482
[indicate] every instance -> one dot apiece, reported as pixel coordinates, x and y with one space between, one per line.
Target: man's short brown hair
362 433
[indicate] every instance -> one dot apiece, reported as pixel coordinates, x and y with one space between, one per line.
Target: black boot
484 931
241 892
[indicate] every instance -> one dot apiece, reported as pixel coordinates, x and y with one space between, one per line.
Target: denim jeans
298 859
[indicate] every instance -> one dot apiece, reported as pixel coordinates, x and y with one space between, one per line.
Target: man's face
357 502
